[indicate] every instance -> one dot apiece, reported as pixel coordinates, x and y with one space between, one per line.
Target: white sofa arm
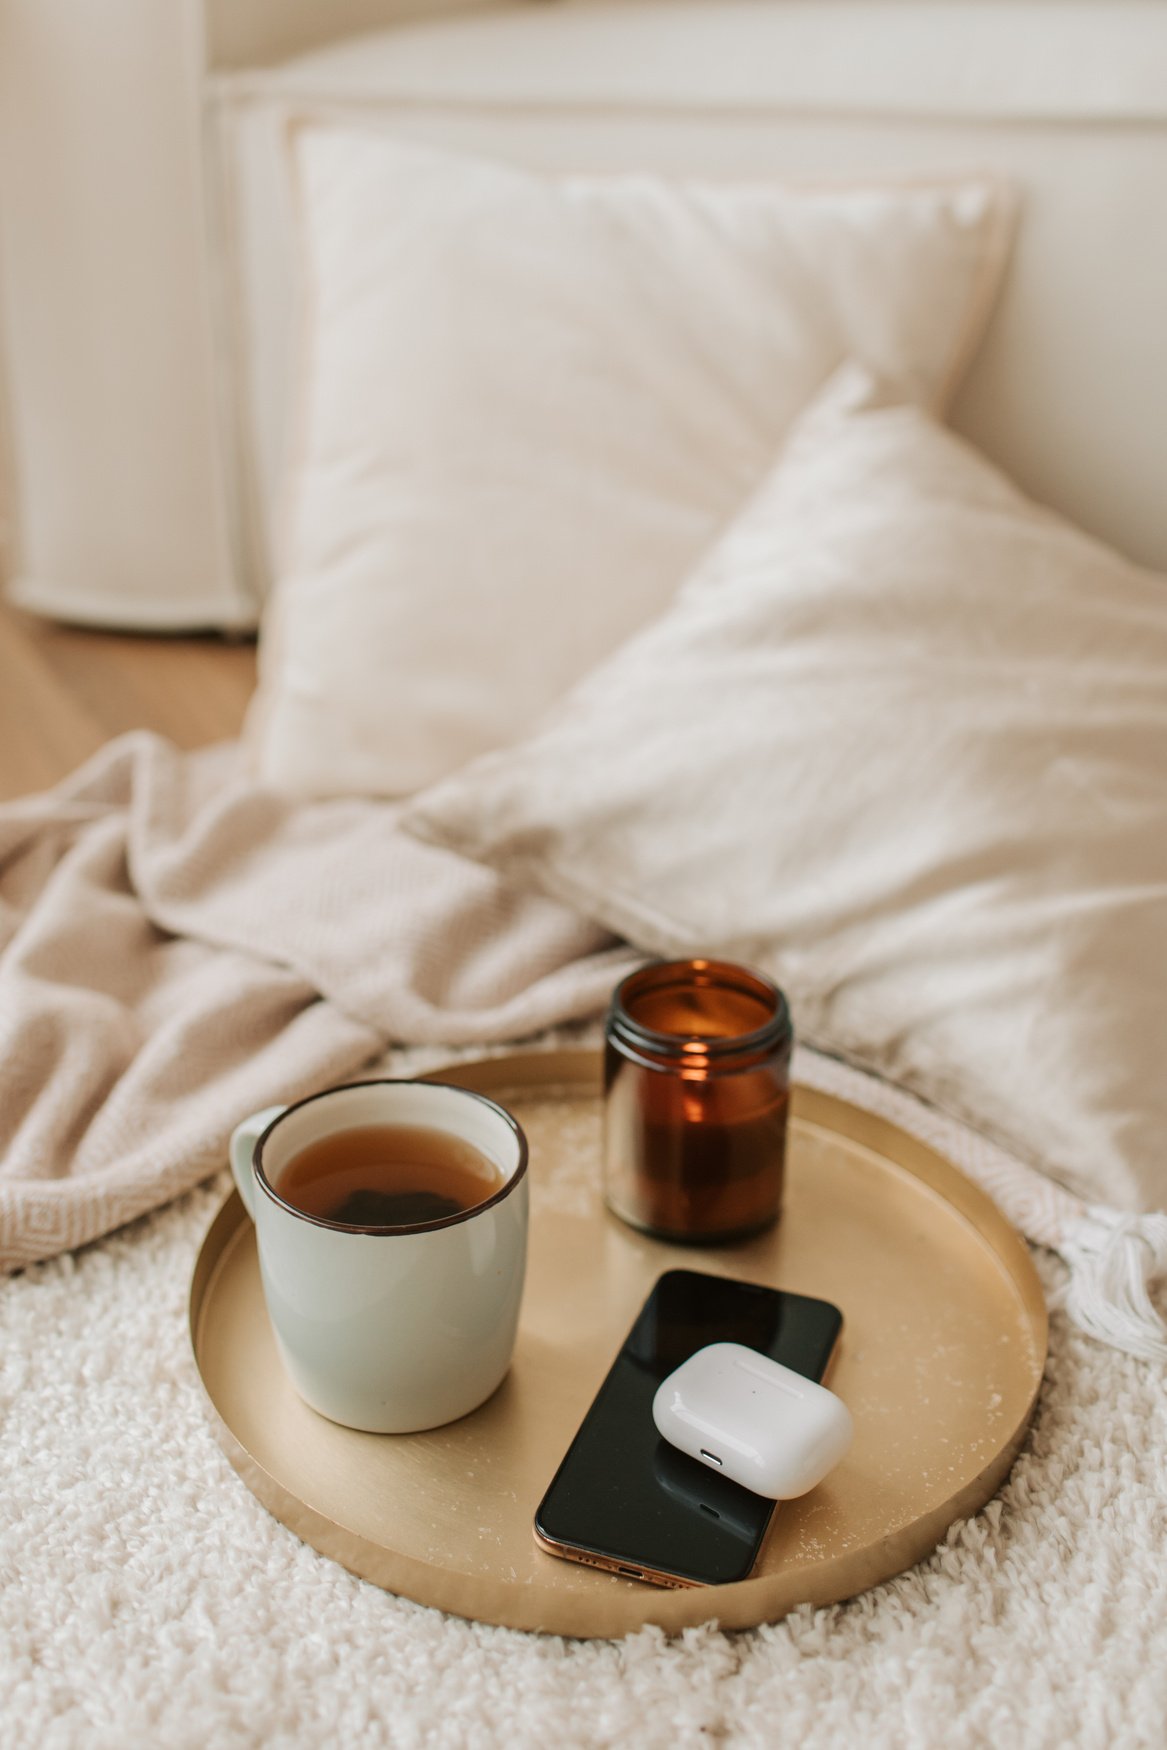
118 502
116 506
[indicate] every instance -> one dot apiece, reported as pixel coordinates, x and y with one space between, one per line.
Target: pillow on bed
902 741
527 404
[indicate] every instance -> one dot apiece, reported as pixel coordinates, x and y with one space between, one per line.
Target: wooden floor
64 691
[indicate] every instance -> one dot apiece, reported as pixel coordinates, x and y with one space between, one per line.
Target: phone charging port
712 1457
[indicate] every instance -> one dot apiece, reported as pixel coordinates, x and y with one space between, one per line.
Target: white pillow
529 402
902 741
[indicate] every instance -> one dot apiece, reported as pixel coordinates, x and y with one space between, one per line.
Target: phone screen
625 1498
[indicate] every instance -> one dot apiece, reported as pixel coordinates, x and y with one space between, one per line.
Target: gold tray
941 1359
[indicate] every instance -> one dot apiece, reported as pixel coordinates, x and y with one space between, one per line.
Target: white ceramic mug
389 1329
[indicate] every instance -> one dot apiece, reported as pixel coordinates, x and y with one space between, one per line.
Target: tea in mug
388 1175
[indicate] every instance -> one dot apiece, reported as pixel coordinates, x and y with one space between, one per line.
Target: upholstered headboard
1070 391
1068 97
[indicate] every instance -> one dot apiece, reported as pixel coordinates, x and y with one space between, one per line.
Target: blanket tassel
1113 1258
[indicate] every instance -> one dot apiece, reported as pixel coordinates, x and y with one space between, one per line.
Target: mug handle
243 1140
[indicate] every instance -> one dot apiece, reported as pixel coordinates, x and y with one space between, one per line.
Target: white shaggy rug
147 1599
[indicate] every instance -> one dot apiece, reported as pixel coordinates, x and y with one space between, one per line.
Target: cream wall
247 33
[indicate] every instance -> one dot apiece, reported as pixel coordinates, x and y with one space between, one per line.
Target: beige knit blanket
178 948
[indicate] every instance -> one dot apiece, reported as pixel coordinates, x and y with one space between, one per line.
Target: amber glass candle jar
696 1095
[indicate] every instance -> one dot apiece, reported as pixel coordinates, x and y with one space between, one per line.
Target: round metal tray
941 1359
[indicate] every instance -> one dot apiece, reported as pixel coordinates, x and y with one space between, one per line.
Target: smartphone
624 1499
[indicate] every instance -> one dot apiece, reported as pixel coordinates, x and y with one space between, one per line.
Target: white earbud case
753 1420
